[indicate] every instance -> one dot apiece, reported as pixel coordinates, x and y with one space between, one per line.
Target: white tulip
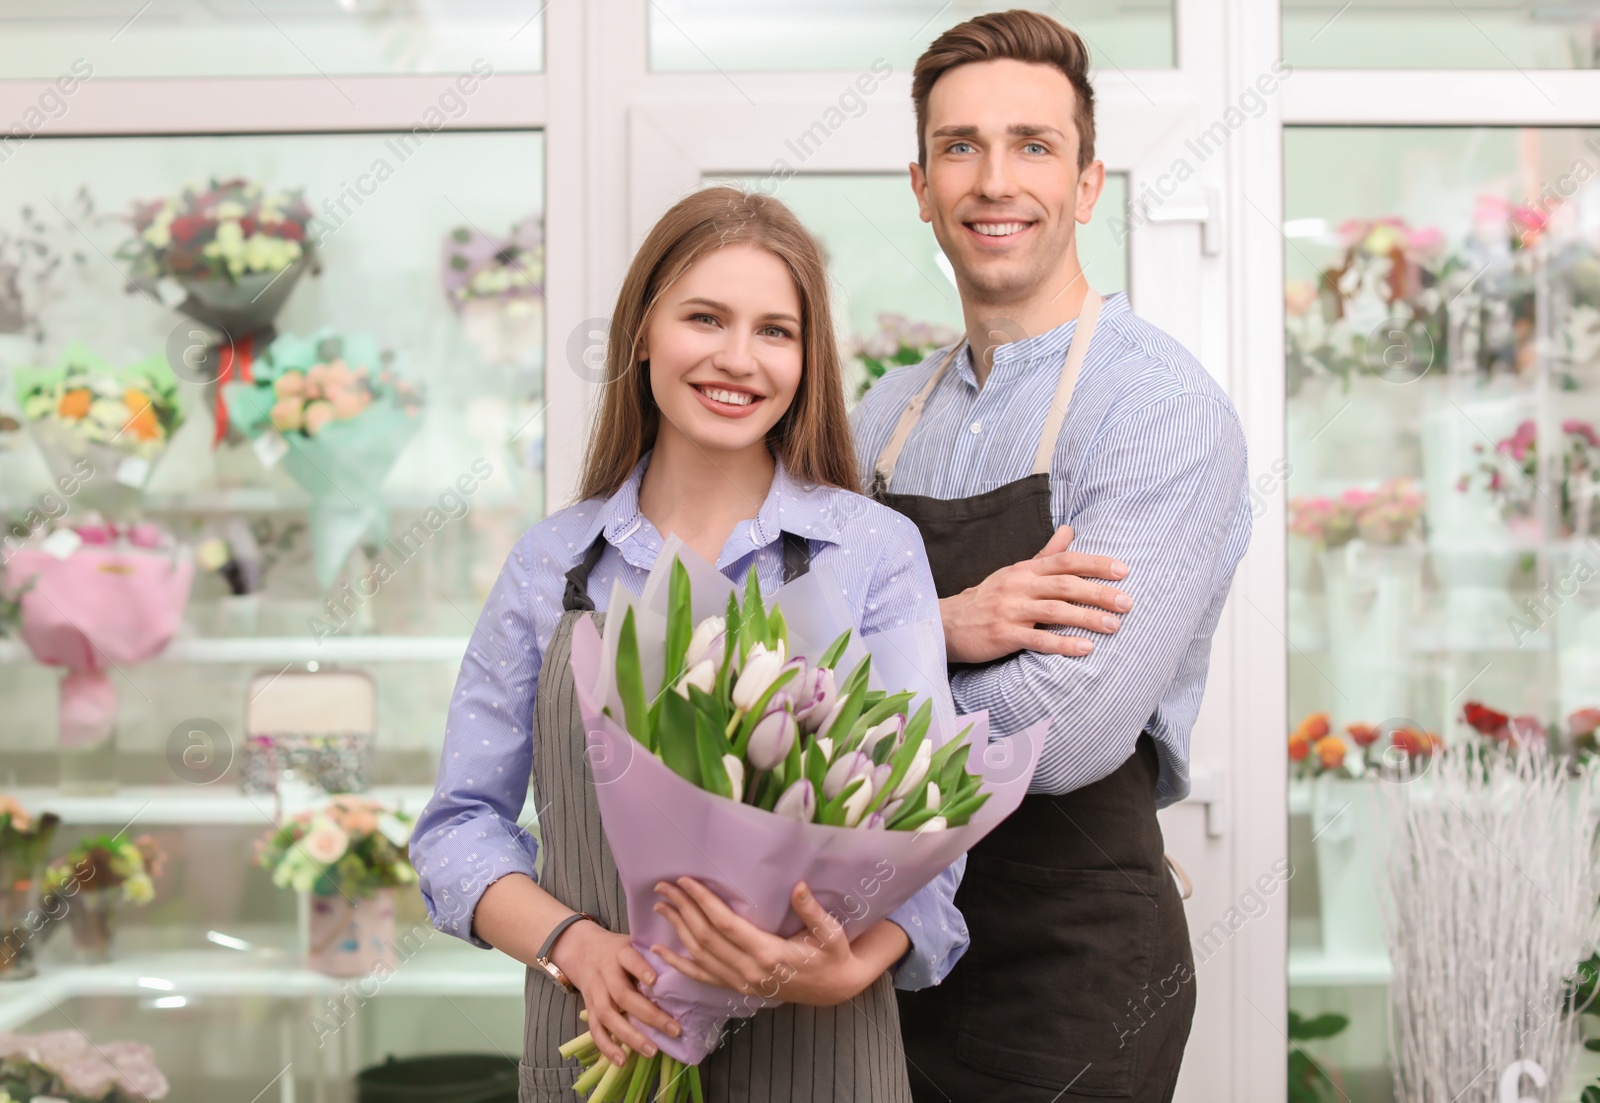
917 772
855 805
938 823
933 795
825 746
702 675
735 768
760 670
705 633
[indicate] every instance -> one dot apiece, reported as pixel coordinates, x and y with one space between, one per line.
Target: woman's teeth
999 229
732 398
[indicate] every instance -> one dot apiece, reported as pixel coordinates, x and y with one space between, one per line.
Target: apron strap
884 471
576 599
1082 334
796 556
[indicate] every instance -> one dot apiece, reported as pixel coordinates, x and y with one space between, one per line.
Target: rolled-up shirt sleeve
1165 491
467 836
902 592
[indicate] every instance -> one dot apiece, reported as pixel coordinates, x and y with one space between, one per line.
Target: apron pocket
1058 962
536 1084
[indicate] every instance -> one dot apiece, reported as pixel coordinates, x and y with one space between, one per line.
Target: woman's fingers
822 924
603 1024
633 961
688 968
726 972
631 1001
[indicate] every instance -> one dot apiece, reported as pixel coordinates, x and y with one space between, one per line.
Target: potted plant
64 1065
348 857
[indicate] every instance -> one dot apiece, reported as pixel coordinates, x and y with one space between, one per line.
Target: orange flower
142 423
1314 727
75 403
1363 735
1299 747
1330 749
1415 742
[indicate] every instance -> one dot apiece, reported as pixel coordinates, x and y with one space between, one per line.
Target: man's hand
818 966
1000 615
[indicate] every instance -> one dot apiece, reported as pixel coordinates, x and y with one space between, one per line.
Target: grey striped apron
849 1053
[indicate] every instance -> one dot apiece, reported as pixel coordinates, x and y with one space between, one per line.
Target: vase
237 615
90 915
351 937
21 919
1350 852
1372 596
88 734
1475 579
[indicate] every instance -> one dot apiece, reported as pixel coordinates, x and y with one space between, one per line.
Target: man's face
1002 188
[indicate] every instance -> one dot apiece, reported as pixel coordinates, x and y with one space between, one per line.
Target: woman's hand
818 966
1001 615
604 965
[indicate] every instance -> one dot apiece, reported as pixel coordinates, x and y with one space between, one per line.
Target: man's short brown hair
1015 35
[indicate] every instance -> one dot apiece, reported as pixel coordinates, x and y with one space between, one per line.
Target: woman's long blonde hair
813 436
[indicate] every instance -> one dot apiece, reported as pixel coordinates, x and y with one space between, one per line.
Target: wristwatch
543 957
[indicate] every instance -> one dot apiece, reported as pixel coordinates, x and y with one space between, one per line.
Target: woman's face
725 349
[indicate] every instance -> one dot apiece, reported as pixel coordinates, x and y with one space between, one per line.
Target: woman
723 422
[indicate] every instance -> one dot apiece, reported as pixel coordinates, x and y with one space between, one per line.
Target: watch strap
550 941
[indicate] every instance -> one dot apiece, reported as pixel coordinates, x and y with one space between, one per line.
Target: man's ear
919 188
1091 182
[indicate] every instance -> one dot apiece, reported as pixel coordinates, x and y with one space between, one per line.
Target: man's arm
1161 492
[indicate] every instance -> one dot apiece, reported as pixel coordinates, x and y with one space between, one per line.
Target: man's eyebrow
1018 130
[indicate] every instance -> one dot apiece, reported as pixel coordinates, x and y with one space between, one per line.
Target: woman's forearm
515 916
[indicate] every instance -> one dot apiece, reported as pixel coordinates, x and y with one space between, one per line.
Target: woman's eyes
775 330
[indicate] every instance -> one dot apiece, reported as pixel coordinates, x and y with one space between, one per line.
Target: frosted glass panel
736 36
230 38
1441 34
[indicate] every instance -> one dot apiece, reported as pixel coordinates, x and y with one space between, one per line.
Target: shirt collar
793 506
1043 351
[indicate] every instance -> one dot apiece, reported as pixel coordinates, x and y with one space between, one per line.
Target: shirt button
976 427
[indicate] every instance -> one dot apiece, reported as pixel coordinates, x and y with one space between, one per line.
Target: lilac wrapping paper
661 827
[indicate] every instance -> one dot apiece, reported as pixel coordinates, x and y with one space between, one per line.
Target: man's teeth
999 229
732 398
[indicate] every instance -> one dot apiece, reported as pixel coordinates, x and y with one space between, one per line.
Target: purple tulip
814 695
773 735
875 822
798 802
845 769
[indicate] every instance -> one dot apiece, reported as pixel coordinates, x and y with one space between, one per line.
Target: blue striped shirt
467 836
1149 468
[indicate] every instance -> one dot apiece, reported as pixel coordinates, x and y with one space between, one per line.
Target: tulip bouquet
751 762
333 411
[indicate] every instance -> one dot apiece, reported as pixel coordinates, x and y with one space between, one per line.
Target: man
1061 409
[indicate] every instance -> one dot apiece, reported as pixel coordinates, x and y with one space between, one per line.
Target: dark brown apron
1079 980
848 1053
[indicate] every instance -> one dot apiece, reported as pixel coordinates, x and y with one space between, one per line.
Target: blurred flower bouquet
1577 478
24 842
348 857
98 597
786 770
1386 516
66 1065
235 249
329 406
97 875
102 427
1314 749
1382 298
496 285
897 342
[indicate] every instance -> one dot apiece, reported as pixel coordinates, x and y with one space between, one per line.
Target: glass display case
1443 379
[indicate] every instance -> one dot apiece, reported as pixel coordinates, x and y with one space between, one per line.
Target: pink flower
1583 429
1584 722
318 414
326 843
347 404
288 414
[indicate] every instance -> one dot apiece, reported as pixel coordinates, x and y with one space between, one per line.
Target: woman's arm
476 867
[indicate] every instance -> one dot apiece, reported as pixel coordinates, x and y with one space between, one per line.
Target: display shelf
177 805
170 976
1312 967
292 649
